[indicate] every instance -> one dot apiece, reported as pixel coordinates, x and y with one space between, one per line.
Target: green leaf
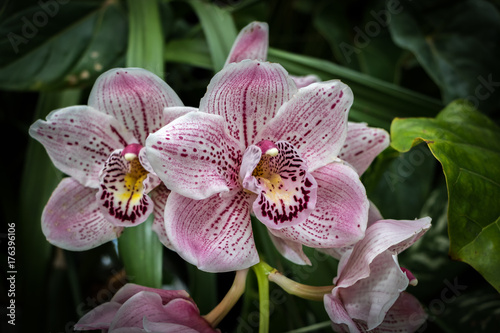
402 182
219 29
76 43
193 52
145 39
457 44
465 142
375 101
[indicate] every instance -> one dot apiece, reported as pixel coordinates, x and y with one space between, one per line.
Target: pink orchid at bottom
135 309
258 145
100 146
368 293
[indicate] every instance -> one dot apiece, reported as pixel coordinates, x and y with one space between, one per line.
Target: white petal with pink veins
314 121
251 43
247 95
72 219
79 140
362 145
195 156
135 97
214 234
340 216
159 197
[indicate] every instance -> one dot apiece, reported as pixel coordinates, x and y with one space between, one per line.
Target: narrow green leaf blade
219 28
465 142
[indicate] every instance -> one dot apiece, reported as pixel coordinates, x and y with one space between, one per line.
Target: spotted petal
214 234
247 95
135 97
314 121
72 219
79 139
122 192
251 43
362 145
286 192
195 156
340 216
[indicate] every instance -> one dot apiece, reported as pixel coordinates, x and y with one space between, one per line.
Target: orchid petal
369 299
251 43
135 97
383 235
72 219
79 139
143 304
341 212
159 197
214 234
174 112
341 321
187 313
314 121
98 318
194 155
304 81
121 195
286 192
247 95
290 250
362 145
406 316
165 327
130 289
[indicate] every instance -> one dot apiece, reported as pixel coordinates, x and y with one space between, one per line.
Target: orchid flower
369 287
140 309
258 145
361 145
100 146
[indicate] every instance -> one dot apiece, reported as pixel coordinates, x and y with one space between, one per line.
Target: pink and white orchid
100 146
369 287
258 145
140 309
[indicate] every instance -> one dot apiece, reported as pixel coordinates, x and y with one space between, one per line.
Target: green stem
142 254
233 295
261 271
298 289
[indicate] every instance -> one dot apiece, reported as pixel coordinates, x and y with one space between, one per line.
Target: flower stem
298 289
261 270
233 295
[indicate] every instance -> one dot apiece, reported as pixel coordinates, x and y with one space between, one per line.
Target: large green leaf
61 46
466 144
457 44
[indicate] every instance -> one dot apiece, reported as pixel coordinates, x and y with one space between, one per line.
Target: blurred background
402 59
